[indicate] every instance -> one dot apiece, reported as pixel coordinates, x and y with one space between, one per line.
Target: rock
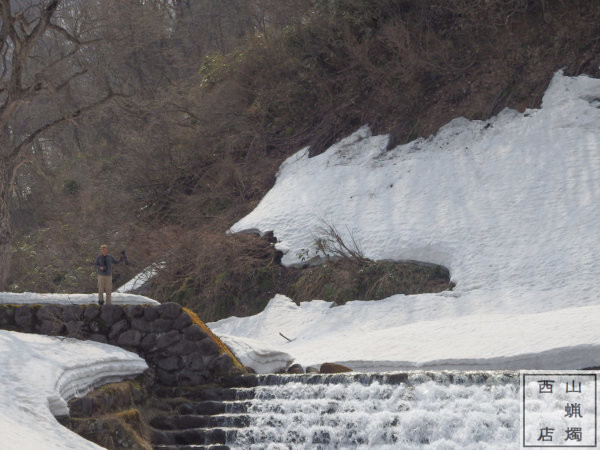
23 318
99 338
221 364
148 342
82 407
207 347
130 339
295 368
311 369
6 316
116 330
151 313
170 364
333 368
166 378
189 377
169 310
111 314
183 348
133 311
141 324
162 325
74 329
51 327
50 313
183 321
91 312
195 361
93 326
72 313
194 333
168 339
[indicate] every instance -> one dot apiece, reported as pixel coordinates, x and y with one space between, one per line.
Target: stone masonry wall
174 343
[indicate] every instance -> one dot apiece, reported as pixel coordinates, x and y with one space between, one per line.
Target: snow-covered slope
40 374
509 206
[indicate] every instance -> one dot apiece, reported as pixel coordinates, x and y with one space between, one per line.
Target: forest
154 125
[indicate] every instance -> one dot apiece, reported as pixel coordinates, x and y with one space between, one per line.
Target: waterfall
409 410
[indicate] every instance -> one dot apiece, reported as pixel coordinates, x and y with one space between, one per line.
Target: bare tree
52 74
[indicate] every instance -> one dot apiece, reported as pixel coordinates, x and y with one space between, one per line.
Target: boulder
72 313
115 331
169 310
148 342
51 327
91 312
196 361
207 346
111 314
141 324
183 321
99 338
221 364
74 329
194 333
23 318
129 339
333 368
151 313
168 339
166 378
6 316
93 326
133 311
189 377
183 348
162 325
170 364
295 368
50 313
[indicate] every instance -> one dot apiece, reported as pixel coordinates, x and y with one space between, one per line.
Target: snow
40 375
508 205
253 353
140 280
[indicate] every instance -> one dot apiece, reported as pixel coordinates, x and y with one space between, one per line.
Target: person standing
104 263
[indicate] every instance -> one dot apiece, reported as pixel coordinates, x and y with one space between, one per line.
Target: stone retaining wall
180 349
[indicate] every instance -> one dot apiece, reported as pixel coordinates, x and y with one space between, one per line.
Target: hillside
509 205
166 173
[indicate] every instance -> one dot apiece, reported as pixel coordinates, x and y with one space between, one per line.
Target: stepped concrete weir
406 410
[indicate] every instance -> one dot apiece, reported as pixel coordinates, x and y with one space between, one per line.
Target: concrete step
199 421
194 436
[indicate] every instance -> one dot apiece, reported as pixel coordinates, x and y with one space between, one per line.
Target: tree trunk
5 223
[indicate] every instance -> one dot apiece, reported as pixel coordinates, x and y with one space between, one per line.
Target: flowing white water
411 410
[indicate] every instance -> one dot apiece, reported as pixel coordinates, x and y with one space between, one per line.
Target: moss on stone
222 347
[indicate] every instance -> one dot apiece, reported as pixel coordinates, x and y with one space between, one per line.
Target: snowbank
262 357
40 374
508 205
140 280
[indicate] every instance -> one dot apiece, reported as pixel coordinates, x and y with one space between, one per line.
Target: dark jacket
106 262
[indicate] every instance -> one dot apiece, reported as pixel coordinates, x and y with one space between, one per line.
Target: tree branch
77 113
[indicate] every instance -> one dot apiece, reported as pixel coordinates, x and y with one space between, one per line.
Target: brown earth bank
199 152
